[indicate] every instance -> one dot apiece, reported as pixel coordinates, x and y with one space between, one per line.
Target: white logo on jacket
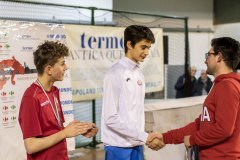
205 115
44 103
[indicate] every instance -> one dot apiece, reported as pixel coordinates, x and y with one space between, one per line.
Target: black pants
194 153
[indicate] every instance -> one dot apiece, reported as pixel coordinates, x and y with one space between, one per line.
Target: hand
155 141
187 141
152 136
76 128
92 132
156 144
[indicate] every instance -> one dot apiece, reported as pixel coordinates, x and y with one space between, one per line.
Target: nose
65 67
146 51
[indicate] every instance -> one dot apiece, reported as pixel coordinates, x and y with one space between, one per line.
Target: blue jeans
121 153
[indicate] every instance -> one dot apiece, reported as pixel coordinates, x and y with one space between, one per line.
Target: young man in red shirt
217 130
40 116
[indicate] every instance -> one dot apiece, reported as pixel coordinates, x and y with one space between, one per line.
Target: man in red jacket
217 130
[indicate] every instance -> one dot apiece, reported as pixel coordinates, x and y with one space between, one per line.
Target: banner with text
94 49
17 72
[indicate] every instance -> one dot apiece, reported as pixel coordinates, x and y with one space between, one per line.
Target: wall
200 13
164 115
86 3
226 11
57 14
199 45
230 30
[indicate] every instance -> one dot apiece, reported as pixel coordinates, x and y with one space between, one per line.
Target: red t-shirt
37 119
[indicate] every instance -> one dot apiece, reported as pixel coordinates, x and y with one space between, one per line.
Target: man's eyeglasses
208 54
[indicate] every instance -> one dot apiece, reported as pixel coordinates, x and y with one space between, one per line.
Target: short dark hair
229 48
136 33
48 53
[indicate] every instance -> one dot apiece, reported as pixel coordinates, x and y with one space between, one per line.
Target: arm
111 117
176 136
195 88
34 144
32 131
180 83
223 124
90 133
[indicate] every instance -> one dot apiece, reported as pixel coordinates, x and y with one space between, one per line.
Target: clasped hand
76 128
155 141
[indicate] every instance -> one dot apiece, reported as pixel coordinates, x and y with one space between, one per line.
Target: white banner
17 42
95 49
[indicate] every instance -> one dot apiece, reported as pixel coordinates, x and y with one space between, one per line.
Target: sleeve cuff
143 136
166 138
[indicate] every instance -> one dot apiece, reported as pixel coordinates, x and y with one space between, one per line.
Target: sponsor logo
4 46
26 37
13 107
11 93
69 89
54 25
27 48
56 36
66 102
13 118
5 108
5 119
22 22
100 42
4 36
68 112
7 46
3 94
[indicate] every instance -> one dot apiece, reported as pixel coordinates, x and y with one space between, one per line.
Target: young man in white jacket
123 99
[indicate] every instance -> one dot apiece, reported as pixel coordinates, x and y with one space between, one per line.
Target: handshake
155 141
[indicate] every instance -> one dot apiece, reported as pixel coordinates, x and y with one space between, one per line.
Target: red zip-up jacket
217 130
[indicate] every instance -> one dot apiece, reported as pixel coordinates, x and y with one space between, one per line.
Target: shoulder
181 77
116 71
55 89
30 97
209 79
194 79
199 80
228 85
31 91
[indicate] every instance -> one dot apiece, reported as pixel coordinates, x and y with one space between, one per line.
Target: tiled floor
87 153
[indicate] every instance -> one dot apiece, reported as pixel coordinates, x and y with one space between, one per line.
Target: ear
220 57
48 70
129 45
